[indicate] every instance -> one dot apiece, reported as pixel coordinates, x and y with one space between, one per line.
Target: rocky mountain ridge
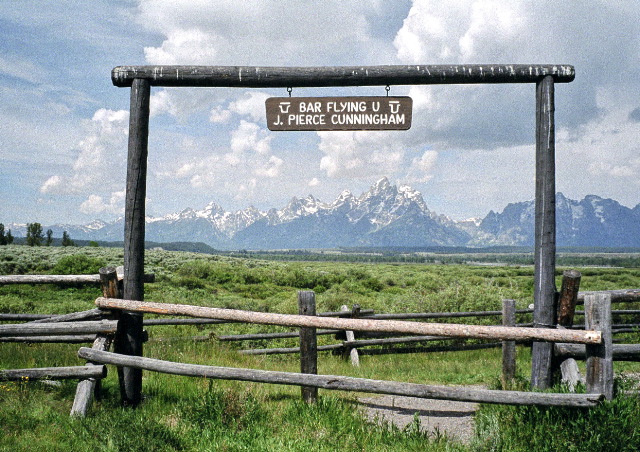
385 215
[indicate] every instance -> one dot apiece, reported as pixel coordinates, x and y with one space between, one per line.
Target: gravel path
453 418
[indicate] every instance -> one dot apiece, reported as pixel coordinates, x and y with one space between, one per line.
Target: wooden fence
598 339
594 344
94 326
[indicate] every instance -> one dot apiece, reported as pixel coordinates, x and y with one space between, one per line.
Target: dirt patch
455 419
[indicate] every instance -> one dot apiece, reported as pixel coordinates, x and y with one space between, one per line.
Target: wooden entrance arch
141 78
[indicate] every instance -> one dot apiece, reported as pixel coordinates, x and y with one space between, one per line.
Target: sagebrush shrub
77 264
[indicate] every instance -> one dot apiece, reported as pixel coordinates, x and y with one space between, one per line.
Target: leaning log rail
389 326
308 378
341 383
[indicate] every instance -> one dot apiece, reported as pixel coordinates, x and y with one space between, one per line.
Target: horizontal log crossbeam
283 77
391 326
58 279
340 383
53 373
41 329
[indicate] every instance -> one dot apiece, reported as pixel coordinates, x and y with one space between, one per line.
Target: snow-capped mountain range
385 215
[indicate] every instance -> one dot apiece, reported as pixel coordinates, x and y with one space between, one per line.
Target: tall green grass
611 426
179 413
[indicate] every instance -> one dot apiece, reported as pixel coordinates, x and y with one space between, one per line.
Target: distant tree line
5 239
35 236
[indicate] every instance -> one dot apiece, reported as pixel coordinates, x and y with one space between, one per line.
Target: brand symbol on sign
394 105
284 107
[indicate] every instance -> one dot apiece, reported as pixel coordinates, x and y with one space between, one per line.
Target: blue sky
470 149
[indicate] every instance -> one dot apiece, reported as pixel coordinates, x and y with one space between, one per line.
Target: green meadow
180 413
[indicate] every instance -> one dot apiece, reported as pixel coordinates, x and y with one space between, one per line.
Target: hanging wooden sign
339 113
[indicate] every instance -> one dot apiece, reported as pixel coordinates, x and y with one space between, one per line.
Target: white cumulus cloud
99 162
250 137
95 204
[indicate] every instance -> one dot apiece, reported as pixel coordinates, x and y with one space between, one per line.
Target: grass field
179 413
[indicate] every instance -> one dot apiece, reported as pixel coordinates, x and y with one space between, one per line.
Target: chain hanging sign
339 113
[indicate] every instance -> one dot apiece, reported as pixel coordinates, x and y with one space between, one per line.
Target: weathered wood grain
353 351
258 336
599 373
336 382
619 352
49 279
617 296
109 282
22 317
392 326
283 77
544 286
57 339
58 279
90 314
308 344
508 347
41 329
288 350
53 373
86 388
129 336
568 297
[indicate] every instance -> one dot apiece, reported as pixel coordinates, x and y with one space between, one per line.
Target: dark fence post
544 314
129 335
109 282
308 344
597 313
508 347
570 374
568 297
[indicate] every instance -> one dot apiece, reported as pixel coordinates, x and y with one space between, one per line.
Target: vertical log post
508 347
86 389
111 288
570 374
89 388
597 312
109 282
544 314
350 336
308 344
129 335
568 297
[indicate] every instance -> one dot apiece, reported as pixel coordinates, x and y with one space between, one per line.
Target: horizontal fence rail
391 326
620 352
56 339
39 329
617 296
336 382
53 373
58 279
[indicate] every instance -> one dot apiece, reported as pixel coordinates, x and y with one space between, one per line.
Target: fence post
129 335
109 282
89 388
508 347
544 288
308 344
567 301
568 297
353 352
597 312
